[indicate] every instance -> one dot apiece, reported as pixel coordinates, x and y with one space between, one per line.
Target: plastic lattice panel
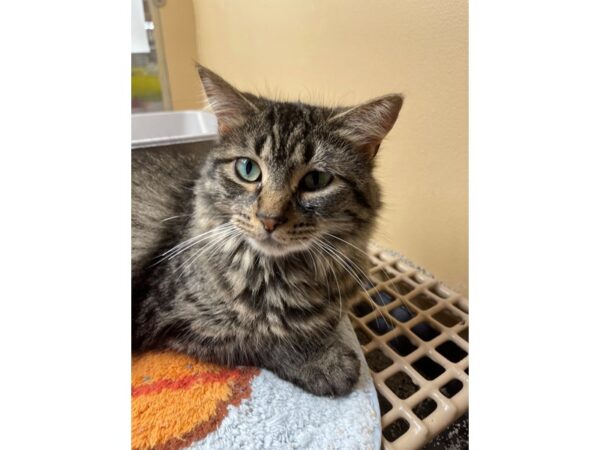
414 334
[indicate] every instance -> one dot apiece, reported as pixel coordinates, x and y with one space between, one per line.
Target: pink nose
270 222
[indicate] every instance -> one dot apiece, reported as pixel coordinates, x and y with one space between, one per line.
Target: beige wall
177 33
345 51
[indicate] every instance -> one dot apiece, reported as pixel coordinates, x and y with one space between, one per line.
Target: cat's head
288 175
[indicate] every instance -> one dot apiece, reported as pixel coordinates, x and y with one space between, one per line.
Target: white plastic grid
414 334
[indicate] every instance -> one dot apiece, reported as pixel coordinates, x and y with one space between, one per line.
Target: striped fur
216 285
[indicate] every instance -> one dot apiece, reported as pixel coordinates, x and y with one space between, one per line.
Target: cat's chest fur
255 298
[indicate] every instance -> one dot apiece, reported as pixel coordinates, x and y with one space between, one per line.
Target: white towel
279 415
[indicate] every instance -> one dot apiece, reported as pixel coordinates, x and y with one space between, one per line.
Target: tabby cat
247 257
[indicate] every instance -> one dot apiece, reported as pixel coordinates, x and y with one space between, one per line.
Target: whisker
357 248
337 255
181 244
336 282
175 217
389 279
356 266
326 278
351 264
216 233
323 270
212 245
187 244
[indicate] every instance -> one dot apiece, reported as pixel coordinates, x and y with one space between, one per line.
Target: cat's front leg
331 369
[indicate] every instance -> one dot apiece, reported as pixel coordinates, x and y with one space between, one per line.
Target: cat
248 257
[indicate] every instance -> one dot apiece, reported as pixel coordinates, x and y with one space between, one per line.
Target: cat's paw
335 372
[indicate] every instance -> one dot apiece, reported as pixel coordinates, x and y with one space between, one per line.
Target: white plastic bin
172 127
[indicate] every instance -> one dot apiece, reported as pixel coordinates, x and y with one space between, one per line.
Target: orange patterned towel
180 403
176 400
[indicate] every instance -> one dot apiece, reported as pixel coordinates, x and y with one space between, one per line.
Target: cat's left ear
367 124
231 107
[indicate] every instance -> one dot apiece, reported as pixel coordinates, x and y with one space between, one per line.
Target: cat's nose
269 223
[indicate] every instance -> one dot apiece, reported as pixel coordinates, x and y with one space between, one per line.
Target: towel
181 403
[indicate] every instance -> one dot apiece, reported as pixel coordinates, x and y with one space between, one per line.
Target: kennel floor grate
414 333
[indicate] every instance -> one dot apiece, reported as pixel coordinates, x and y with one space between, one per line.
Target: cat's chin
271 247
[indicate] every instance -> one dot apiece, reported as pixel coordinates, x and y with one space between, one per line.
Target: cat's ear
231 107
367 124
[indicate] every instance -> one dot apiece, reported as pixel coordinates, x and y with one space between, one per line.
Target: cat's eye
315 180
247 169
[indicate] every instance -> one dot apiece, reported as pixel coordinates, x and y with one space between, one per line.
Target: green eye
315 180
247 169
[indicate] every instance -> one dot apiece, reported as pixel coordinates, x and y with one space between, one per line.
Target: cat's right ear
230 106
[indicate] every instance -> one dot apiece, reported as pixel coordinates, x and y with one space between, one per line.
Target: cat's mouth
271 246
